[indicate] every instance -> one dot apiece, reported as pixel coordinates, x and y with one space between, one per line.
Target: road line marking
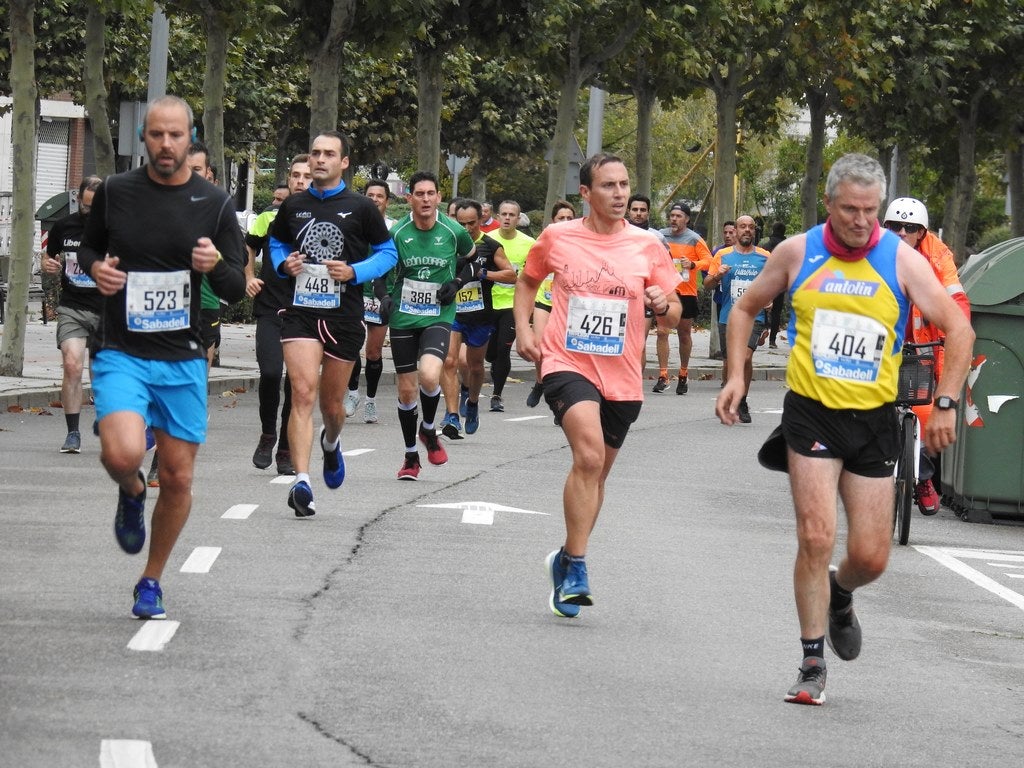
200 560
478 514
126 753
239 512
153 636
283 480
948 559
358 451
1005 565
530 418
1014 575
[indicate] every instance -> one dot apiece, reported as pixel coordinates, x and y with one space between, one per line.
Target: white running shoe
370 412
352 400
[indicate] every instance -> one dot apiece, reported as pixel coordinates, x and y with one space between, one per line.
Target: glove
386 307
446 293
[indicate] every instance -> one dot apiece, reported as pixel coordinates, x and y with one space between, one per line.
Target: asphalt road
399 628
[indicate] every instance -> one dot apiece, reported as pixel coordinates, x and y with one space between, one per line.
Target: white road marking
950 557
479 512
283 480
201 560
1005 565
358 451
153 636
240 512
126 753
530 418
1014 575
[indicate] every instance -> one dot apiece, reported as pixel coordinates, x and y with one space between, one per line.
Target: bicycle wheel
904 481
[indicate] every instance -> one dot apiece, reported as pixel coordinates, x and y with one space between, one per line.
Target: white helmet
907 210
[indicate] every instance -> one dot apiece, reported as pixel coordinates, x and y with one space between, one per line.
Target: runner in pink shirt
605 273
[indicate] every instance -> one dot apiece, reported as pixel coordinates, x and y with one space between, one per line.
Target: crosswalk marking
201 560
126 753
951 557
153 635
240 512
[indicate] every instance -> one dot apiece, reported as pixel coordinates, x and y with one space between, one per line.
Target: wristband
483 274
661 314
220 257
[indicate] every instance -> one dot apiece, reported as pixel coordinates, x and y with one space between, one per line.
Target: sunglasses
896 226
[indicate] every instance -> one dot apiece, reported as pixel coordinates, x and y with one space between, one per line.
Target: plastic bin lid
996 275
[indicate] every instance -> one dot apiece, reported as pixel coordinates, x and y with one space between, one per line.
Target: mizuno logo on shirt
344 214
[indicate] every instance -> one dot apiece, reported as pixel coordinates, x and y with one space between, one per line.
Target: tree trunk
817 104
1015 173
645 104
565 121
217 32
478 181
23 167
956 225
429 80
96 90
325 70
727 99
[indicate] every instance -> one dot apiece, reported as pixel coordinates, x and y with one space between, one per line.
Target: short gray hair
859 169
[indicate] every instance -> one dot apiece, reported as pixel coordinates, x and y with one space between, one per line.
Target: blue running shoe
451 427
575 587
463 399
300 498
472 418
556 573
130 520
149 600
150 439
334 463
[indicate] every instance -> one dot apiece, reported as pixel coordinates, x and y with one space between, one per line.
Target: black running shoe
844 635
681 386
263 456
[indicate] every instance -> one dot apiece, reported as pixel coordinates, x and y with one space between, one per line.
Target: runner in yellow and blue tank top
850 287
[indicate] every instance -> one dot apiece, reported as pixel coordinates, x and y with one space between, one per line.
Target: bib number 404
846 345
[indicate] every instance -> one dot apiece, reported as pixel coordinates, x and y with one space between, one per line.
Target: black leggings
500 351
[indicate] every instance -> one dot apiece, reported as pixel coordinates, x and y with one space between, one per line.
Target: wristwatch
946 403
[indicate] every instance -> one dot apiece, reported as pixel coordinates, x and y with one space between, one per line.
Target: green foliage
992 236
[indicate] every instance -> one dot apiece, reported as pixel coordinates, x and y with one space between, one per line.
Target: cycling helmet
907 210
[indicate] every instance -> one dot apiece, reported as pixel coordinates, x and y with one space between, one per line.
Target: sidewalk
39 384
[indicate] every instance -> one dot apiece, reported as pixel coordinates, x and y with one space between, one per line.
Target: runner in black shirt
152 234
323 239
78 311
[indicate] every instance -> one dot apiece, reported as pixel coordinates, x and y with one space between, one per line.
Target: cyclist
908 218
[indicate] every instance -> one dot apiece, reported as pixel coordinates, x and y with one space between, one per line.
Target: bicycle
916 387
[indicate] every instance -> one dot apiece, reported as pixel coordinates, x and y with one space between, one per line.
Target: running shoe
925 495
575 587
264 451
352 401
556 574
660 385
472 418
300 498
810 683
284 462
150 439
370 412
681 386
451 428
411 467
844 635
334 463
463 399
436 453
130 519
744 410
96 427
496 405
533 399
149 600
72 443
153 478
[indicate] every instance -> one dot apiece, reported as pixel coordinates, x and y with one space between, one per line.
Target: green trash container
983 471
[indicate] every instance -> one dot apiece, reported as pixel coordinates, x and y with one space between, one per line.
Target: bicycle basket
917 377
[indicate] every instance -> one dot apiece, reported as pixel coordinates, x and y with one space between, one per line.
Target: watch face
945 403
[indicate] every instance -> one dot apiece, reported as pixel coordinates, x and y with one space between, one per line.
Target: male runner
605 273
850 286
78 310
327 239
432 249
152 234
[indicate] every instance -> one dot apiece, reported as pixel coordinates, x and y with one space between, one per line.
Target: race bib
737 287
73 272
470 297
846 346
157 301
684 272
596 326
316 289
419 297
371 310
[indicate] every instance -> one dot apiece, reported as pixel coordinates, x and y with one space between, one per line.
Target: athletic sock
428 402
72 420
815 647
302 477
374 369
408 418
